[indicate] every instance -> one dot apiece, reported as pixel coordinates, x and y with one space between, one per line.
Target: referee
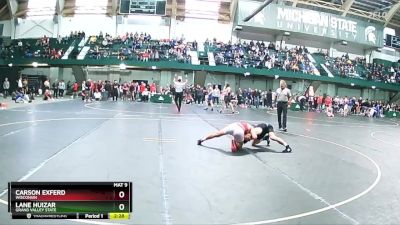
283 96
179 88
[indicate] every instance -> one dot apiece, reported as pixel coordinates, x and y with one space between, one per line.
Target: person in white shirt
19 82
97 95
215 95
6 87
209 98
61 88
145 95
179 87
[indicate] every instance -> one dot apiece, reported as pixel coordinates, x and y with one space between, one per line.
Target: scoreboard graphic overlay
70 200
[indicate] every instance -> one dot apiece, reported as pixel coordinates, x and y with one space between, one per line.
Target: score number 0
121 195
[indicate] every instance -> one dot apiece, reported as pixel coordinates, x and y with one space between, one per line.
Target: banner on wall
287 18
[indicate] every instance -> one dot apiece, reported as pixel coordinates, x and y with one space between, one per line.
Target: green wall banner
287 18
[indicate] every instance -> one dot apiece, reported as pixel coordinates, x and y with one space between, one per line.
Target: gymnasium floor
342 170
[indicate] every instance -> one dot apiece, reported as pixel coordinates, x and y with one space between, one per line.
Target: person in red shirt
153 88
142 87
328 101
75 90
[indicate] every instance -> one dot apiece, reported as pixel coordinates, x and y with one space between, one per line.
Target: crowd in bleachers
255 54
359 68
260 55
141 47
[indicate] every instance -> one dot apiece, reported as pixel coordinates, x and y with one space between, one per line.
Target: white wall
310 49
67 74
31 28
390 56
375 94
36 71
91 24
200 30
349 92
252 82
150 76
6 28
156 26
312 45
252 36
338 51
218 79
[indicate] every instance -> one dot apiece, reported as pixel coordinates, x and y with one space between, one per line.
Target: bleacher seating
114 50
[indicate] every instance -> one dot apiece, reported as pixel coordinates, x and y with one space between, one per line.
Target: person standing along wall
6 87
55 89
269 99
283 96
75 87
61 88
114 92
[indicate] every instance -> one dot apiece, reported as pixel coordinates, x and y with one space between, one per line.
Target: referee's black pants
178 100
282 108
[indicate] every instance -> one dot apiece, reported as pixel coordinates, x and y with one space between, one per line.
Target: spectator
20 97
61 89
97 95
47 95
115 88
75 87
19 82
269 99
46 84
88 93
55 89
6 88
83 90
153 88
145 95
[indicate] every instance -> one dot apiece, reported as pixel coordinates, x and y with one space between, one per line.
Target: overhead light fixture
286 33
373 87
247 74
122 66
276 77
352 84
10 64
154 67
35 64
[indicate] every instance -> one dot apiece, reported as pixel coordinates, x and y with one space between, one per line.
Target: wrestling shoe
288 149
199 142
